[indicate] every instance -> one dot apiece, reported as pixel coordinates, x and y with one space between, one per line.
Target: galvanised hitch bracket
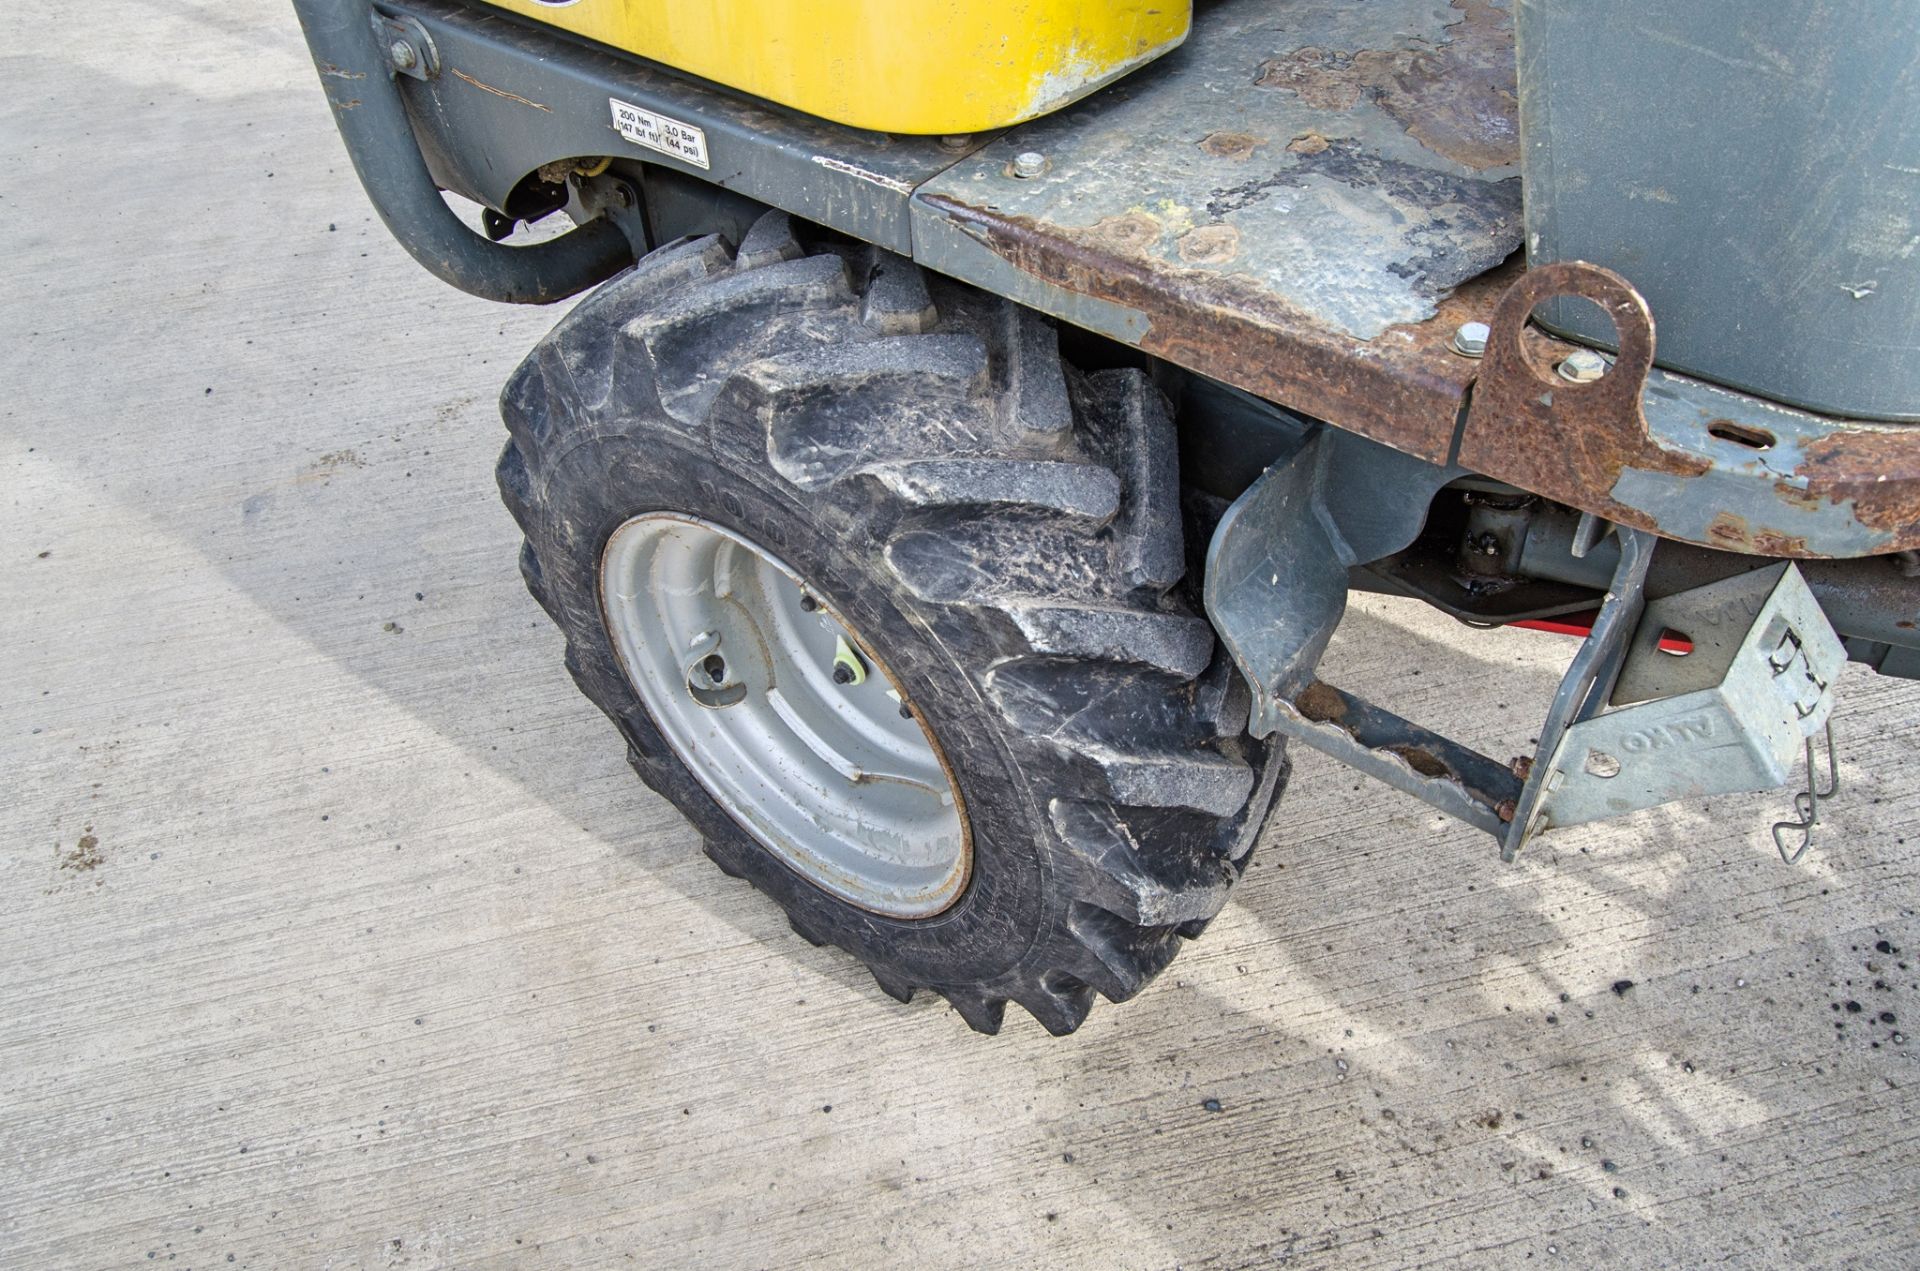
1630 726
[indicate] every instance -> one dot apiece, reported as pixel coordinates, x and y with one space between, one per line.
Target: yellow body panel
908 66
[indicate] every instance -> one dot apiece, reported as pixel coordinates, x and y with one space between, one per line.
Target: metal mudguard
1306 203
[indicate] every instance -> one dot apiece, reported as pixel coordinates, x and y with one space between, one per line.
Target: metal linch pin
1806 804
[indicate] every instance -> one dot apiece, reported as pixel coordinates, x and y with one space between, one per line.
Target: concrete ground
336 933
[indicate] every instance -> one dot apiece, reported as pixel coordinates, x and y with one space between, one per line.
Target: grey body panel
1754 169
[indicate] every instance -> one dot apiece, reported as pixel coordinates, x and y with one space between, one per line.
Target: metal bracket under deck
1630 726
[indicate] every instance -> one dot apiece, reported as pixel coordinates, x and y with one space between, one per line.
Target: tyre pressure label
657 132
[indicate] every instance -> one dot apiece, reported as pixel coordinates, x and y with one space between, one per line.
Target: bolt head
842 675
1582 366
1029 163
402 55
1471 339
956 141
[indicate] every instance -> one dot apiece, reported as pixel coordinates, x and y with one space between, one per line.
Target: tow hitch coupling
1634 722
1732 715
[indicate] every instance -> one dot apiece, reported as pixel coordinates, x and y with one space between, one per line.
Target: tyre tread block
1179 644
1082 491
897 301
1119 958
1160 882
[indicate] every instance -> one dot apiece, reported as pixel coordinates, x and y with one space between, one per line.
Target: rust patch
465 78
1321 703
1568 441
1325 79
1461 101
1458 99
1729 530
1129 232
1796 495
1732 532
1308 143
1238 146
1877 470
1209 245
1776 543
1422 760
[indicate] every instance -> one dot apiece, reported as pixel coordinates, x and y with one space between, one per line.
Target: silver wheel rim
787 718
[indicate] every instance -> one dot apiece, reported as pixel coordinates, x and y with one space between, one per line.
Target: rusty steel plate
1309 200
1294 203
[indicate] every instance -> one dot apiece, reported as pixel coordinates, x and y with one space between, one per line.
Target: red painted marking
1581 624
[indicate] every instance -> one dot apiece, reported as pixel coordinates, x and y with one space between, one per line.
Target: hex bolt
956 141
402 55
842 674
1029 163
808 603
1582 366
1471 339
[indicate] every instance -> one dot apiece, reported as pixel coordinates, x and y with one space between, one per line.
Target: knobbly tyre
976 425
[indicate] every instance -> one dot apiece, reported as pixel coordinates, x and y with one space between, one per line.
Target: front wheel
886 599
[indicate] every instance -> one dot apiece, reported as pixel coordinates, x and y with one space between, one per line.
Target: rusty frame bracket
1550 435
1276 587
1303 234
1677 457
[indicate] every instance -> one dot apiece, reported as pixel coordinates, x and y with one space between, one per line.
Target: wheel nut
847 666
1471 339
1029 163
808 602
1583 366
404 58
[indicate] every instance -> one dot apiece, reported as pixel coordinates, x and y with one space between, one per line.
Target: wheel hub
788 719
